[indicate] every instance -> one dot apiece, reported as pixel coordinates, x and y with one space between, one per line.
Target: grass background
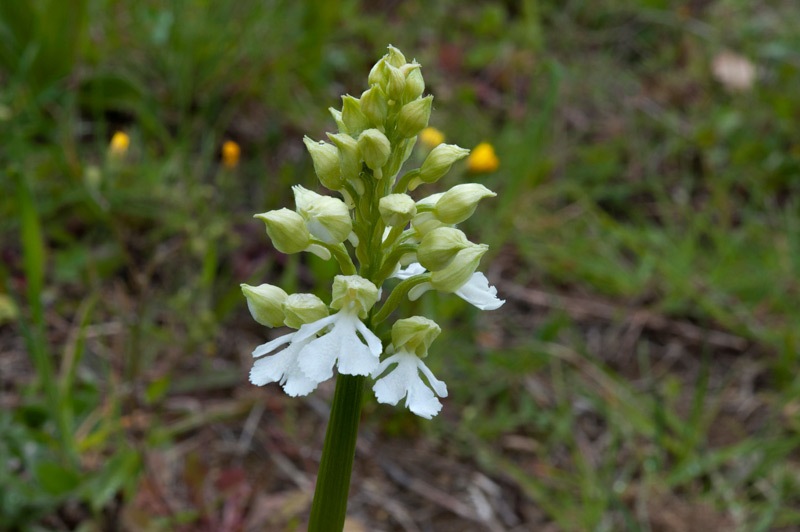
646 236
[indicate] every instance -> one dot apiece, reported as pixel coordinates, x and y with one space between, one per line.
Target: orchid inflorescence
380 228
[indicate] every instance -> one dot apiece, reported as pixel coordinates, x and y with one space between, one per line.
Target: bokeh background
646 238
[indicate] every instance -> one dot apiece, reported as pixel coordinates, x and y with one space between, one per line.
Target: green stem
329 508
403 182
398 294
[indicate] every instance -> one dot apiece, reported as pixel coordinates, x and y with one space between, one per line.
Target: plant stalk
329 509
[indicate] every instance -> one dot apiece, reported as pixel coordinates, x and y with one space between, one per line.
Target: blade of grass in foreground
33 252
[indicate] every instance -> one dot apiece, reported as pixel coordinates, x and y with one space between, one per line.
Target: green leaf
121 470
55 478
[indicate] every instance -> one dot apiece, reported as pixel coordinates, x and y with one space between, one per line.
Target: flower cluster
377 233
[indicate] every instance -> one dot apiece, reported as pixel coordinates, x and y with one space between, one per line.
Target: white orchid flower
340 339
476 291
282 367
309 360
405 381
340 345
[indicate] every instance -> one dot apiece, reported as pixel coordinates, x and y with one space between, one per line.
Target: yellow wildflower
119 144
483 159
230 154
431 137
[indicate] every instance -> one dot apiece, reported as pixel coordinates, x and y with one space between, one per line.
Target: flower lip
405 381
342 345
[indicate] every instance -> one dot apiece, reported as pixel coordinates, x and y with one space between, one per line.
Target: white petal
477 292
405 381
373 342
438 386
282 367
309 330
415 268
272 345
272 369
317 358
298 384
421 400
341 343
357 360
394 386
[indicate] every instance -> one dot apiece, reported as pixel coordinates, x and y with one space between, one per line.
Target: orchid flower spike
379 224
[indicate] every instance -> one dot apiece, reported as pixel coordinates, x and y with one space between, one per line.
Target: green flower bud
377 75
460 269
440 246
438 163
425 222
413 117
415 84
397 209
337 117
415 335
326 163
375 149
352 116
354 292
303 308
395 57
395 83
374 105
407 147
287 230
458 203
431 200
349 157
327 218
265 303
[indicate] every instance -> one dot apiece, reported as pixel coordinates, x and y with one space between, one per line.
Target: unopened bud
374 105
397 209
459 203
438 163
327 218
425 220
414 116
337 117
326 163
415 335
303 308
287 230
460 269
395 83
395 57
377 75
265 303
352 116
349 157
415 84
374 148
439 247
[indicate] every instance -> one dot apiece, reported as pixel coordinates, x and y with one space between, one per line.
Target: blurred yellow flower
230 153
119 144
431 137
483 159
